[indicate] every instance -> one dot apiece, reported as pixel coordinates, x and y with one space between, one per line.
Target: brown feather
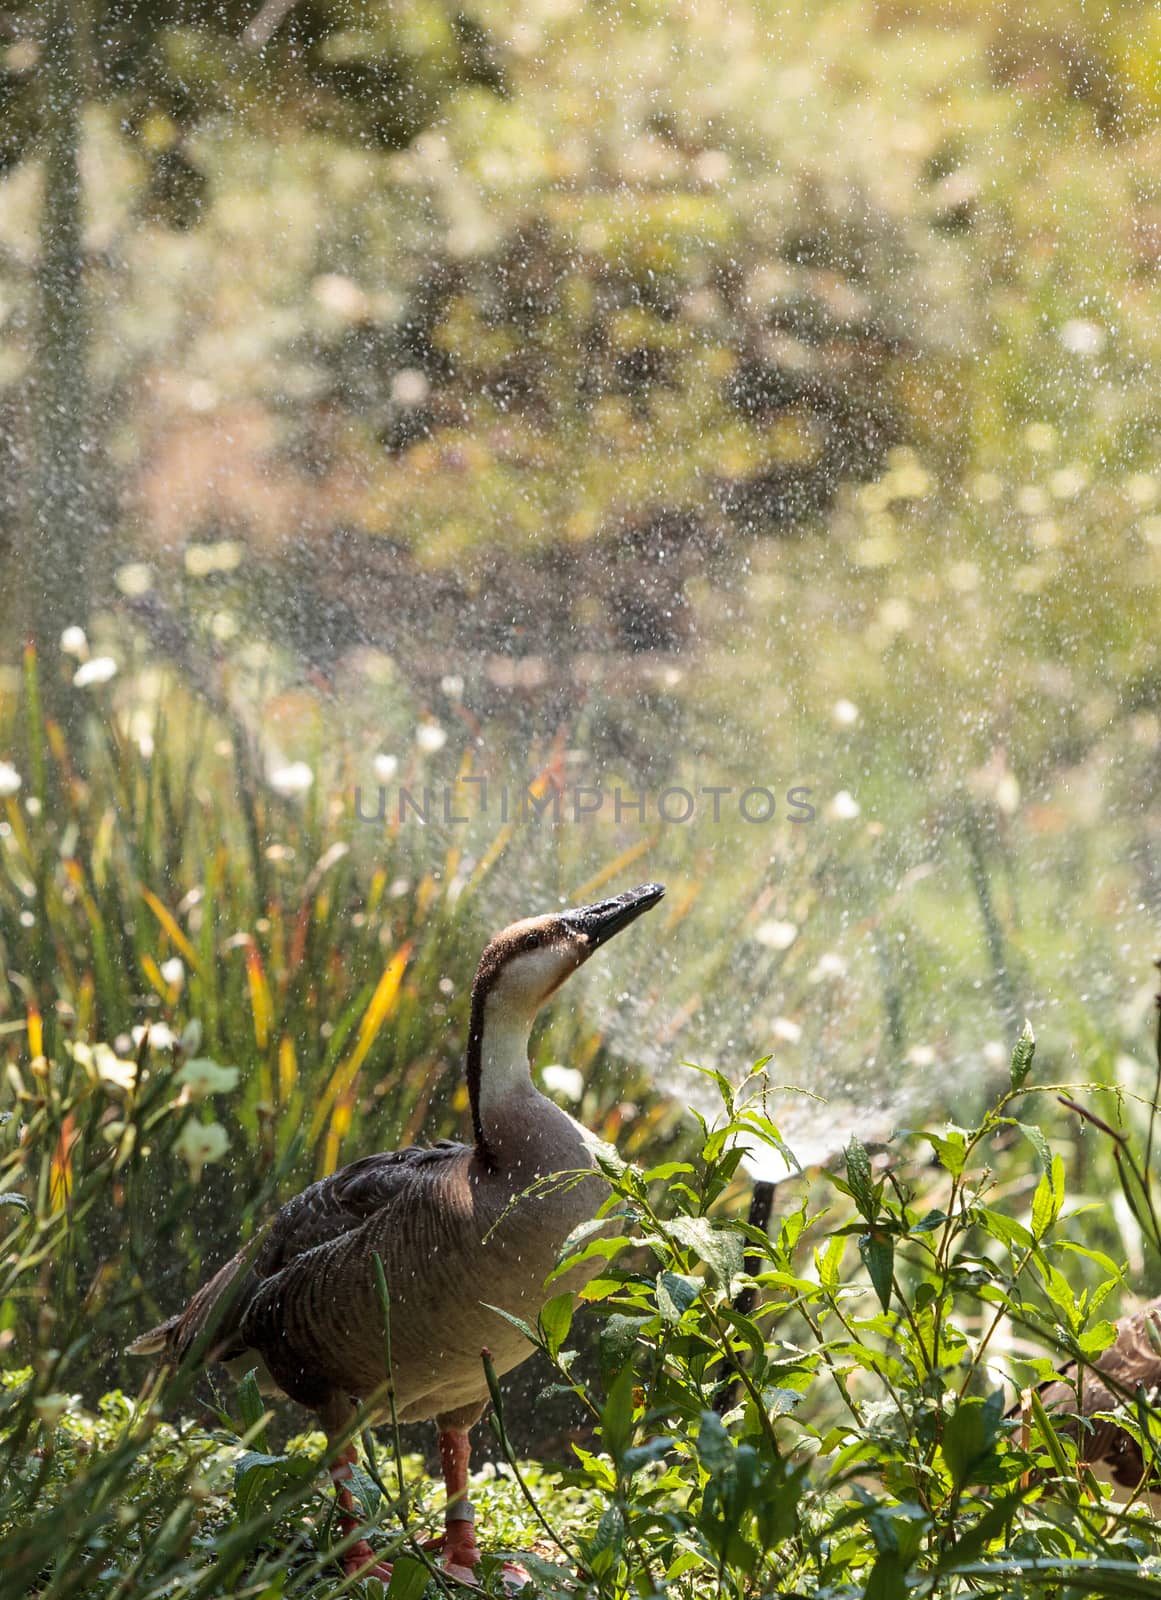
1131 1363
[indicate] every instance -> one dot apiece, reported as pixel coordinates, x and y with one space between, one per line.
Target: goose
1131 1364
454 1227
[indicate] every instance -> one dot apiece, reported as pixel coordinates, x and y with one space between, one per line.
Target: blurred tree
56 571
371 72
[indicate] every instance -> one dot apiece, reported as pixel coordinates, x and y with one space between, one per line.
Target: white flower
161 1035
430 737
1082 338
452 685
201 560
1008 794
830 965
776 935
293 779
785 1029
99 670
173 970
135 578
1041 437
74 643
844 713
844 807
385 767
10 779
409 387
104 1066
203 1076
568 1081
341 296
199 1142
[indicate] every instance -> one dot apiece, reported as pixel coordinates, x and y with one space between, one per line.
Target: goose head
525 965
519 970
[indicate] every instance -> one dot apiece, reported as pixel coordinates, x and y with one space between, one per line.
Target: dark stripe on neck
511 943
475 1070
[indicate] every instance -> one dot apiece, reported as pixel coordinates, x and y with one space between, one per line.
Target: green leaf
617 1345
878 1253
596 1249
555 1322
585 1230
978 1536
717 1244
1049 1197
517 1322
191 1037
250 1408
409 1578
602 1288
667 1170
1038 1142
259 1478
617 1414
929 1223
951 1148
1022 1055
1006 1229
640 1455
859 1177
676 1292
1048 1434
827 1262
969 1435
1097 1338
887 1578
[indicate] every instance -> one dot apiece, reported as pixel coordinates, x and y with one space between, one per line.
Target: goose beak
602 920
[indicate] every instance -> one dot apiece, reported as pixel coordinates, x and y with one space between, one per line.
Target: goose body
1131 1363
455 1226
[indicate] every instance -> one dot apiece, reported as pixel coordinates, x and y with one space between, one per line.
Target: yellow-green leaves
1048 1199
555 1322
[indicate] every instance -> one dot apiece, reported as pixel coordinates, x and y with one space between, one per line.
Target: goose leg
461 1552
359 1558
335 1414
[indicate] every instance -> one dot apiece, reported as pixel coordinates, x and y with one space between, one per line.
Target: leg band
459 1511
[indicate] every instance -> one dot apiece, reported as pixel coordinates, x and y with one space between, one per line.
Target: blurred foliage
653 272
369 72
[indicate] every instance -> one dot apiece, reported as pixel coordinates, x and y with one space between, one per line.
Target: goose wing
1132 1362
334 1206
322 1213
